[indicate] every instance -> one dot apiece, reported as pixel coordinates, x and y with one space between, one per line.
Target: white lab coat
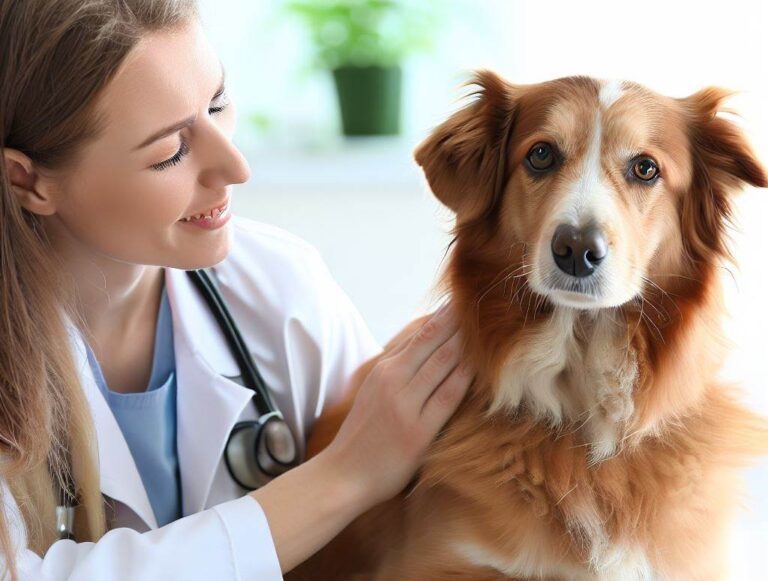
306 338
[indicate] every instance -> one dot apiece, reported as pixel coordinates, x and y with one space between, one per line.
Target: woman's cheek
167 199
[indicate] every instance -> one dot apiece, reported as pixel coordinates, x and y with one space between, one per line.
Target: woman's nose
223 162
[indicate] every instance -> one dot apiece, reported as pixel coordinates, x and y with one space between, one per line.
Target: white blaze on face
589 197
610 93
588 200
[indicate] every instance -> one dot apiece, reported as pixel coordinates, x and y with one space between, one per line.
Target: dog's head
598 188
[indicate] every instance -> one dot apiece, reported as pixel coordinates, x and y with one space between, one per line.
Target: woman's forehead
165 78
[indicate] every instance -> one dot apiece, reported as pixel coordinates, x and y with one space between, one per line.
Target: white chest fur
619 564
576 368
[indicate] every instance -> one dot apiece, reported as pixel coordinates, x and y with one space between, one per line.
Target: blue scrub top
148 421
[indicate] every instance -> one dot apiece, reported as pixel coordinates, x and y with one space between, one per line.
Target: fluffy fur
596 442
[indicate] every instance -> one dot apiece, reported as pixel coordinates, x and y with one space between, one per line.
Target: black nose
578 252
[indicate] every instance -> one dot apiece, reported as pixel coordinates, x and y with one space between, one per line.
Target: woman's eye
183 150
541 157
645 169
224 101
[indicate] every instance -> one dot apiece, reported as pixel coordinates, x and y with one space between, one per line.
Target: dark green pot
369 99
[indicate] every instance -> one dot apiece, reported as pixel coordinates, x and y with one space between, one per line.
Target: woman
116 136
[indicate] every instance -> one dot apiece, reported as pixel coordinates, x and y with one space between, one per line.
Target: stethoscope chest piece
260 450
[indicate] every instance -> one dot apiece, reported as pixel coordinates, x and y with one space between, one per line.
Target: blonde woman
115 380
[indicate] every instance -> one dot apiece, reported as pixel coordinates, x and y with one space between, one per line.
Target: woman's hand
409 394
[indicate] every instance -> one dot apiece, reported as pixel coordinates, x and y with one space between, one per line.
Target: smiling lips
209 214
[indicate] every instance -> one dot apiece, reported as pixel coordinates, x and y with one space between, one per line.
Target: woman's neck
116 299
119 299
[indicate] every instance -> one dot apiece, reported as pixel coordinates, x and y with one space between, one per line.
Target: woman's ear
26 184
723 162
464 159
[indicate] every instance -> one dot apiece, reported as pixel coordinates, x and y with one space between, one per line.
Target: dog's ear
464 159
723 162
719 142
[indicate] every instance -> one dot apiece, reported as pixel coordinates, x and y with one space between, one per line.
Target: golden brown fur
620 459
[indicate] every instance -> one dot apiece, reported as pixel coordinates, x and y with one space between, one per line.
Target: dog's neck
614 375
576 368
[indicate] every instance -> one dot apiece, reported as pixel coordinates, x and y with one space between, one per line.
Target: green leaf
366 32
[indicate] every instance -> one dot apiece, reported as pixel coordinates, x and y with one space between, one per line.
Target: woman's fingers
425 341
399 341
447 397
435 370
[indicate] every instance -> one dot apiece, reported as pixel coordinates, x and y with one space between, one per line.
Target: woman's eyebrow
179 125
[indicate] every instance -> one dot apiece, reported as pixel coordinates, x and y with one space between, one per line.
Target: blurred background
334 95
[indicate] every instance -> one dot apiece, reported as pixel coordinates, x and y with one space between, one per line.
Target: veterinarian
129 402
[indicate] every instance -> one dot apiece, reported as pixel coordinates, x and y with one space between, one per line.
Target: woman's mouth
210 219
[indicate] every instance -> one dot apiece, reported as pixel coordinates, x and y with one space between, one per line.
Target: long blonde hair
56 56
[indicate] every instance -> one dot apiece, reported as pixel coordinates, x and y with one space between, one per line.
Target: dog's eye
541 157
645 169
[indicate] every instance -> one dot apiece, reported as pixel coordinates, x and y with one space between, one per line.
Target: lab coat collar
209 402
120 479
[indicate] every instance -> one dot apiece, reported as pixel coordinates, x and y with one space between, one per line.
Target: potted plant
363 43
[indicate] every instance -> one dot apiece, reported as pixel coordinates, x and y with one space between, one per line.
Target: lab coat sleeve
229 541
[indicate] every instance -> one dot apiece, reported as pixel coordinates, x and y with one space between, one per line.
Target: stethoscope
257 450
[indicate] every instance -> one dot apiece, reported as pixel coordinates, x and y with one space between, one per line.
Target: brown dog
596 442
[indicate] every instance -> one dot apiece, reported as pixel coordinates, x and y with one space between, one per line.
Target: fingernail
466 369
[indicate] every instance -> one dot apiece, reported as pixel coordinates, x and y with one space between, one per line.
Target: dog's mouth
605 287
590 293
586 293
569 291
570 284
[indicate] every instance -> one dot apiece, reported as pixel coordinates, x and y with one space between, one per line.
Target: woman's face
127 195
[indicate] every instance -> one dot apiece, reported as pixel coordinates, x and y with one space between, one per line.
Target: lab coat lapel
208 403
120 479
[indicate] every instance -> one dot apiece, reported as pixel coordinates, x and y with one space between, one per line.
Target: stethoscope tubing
251 376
